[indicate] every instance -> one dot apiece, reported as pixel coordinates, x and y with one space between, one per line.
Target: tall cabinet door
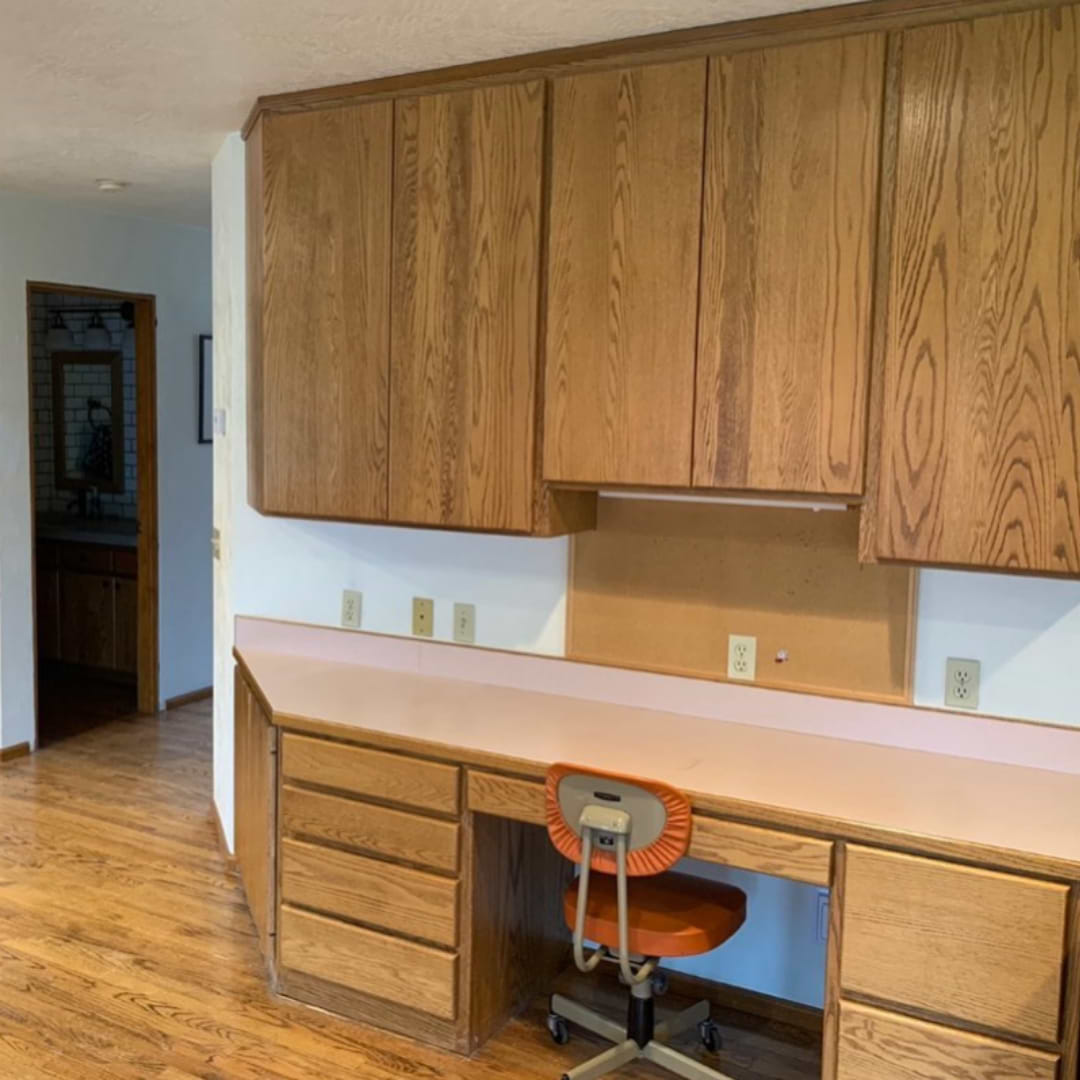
625 229
980 458
319 199
468 170
791 186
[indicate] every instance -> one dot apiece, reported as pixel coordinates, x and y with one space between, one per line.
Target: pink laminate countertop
956 799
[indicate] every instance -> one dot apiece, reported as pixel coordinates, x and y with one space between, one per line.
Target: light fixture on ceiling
105 184
59 336
97 335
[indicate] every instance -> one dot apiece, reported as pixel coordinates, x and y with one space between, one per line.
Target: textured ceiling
145 90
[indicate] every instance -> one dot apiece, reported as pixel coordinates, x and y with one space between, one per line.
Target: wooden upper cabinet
468 167
625 229
790 209
319 266
981 419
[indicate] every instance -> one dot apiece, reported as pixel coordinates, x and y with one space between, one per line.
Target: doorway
93 498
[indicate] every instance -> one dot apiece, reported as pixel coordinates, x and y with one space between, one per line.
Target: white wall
1026 631
47 241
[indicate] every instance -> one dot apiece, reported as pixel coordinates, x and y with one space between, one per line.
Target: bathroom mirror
88 413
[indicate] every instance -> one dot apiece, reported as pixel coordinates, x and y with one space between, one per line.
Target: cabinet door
87 619
127 638
625 229
980 460
47 613
790 207
467 182
255 820
319 196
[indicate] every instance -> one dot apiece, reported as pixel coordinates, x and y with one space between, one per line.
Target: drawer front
418 976
393 834
427 785
876 1045
378 893
785 855
507 797
89 558
967 944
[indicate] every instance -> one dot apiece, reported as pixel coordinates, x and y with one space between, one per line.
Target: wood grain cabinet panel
790 205
319 185
764 851
127 622
390 968
625 229
969 945
47 612
255 816
87 619
467 186
390 834
370 891
429 785
876 1045
980 457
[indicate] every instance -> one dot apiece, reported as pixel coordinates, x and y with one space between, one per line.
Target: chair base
646 1041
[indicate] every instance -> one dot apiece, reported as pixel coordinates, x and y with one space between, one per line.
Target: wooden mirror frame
114 360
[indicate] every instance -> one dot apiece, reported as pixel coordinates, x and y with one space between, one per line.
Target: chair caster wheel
659 983
709 1032
558 1028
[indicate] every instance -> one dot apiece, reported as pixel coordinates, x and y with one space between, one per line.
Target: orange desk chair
621 828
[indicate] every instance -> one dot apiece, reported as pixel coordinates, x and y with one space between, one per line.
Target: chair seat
670 914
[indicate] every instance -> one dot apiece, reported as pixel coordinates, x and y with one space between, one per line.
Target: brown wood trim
189 698
872 15
227 857
831 1025
1070 999
13 753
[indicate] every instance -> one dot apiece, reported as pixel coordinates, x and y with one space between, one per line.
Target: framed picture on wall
206 388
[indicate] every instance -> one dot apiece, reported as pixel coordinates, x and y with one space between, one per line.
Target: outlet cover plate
962 683
465 624
423 616
742 657
352 607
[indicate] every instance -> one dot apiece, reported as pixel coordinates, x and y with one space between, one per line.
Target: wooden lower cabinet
877 1045
88 619
48 613
255 795
127 619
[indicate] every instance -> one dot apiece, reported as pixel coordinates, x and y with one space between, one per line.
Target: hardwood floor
126 951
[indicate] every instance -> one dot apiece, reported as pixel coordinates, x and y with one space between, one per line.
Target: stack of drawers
948 971
369 863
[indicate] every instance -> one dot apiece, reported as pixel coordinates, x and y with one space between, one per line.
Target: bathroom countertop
116 532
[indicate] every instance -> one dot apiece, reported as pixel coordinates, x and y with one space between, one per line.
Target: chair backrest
654 817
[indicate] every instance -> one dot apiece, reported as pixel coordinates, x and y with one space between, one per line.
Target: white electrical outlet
741 657
465 624
423 616
962 683
351 608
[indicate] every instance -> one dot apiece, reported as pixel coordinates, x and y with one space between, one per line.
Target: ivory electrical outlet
465 624
423 616
742 657
351 608
962 683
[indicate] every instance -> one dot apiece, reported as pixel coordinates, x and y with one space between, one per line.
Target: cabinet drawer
972 945
876 1045
378 893
418 976
507 797
785 855
90 558
428 785
377 829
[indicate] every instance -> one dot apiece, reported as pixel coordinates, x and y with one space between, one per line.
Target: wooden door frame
148 666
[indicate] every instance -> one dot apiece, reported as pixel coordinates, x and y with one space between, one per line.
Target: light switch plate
465 624
962 683
352 606
219 421
423 616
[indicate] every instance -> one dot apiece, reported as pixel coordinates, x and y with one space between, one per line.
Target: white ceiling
145 90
